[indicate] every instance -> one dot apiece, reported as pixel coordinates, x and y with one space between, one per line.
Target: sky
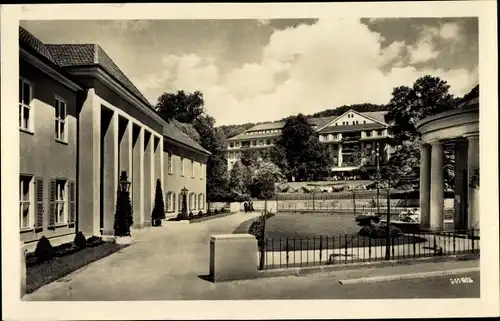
264 70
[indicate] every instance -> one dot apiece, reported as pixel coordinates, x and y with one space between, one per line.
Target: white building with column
81 123
459 127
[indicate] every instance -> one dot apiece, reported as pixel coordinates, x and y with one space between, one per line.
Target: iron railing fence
344 249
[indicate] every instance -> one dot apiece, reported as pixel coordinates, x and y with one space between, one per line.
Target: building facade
82 122
347 136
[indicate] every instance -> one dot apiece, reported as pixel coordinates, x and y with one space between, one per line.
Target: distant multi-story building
346 136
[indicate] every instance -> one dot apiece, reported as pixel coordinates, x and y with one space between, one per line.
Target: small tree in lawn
159 207
264 183
123 214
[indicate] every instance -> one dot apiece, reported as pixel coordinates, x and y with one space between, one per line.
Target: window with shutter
39 204
26 202
52 203
72 205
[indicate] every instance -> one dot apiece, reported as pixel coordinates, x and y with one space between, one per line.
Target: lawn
52 270
315 231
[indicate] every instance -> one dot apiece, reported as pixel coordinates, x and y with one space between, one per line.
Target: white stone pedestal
233 257
234 207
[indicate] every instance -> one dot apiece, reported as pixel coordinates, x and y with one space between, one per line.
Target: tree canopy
185 107
301 153
408 105
428 96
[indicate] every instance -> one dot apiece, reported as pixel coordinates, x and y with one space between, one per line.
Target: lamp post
378 179
388 220
184 192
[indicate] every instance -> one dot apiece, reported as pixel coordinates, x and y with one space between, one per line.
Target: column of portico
473 195
89 173
162 170
148 177
126 150
437 186
138 177
425 185
157 161
110 175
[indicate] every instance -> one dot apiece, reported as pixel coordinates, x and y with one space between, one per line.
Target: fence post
320 249
345 245
369 248
286 250
472 236
454 245
392 245
414 245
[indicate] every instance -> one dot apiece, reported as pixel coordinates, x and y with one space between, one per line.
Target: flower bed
47 264
49 271
192 217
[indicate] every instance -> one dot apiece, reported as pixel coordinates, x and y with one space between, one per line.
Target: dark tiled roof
338 129
27 40
173 132
267 126
377 115
254 136
73 55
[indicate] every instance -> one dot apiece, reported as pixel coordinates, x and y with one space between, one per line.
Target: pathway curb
411 276
301 271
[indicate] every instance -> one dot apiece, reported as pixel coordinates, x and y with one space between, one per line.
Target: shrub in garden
191 215
378 231
44 250
200 213
65 249
366 219
159 208
94 241
216 212
80 240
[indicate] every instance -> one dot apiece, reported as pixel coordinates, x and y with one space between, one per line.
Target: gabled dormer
352 117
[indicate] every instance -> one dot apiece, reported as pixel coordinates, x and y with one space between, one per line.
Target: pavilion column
461 190
425 185
473 194
437 186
